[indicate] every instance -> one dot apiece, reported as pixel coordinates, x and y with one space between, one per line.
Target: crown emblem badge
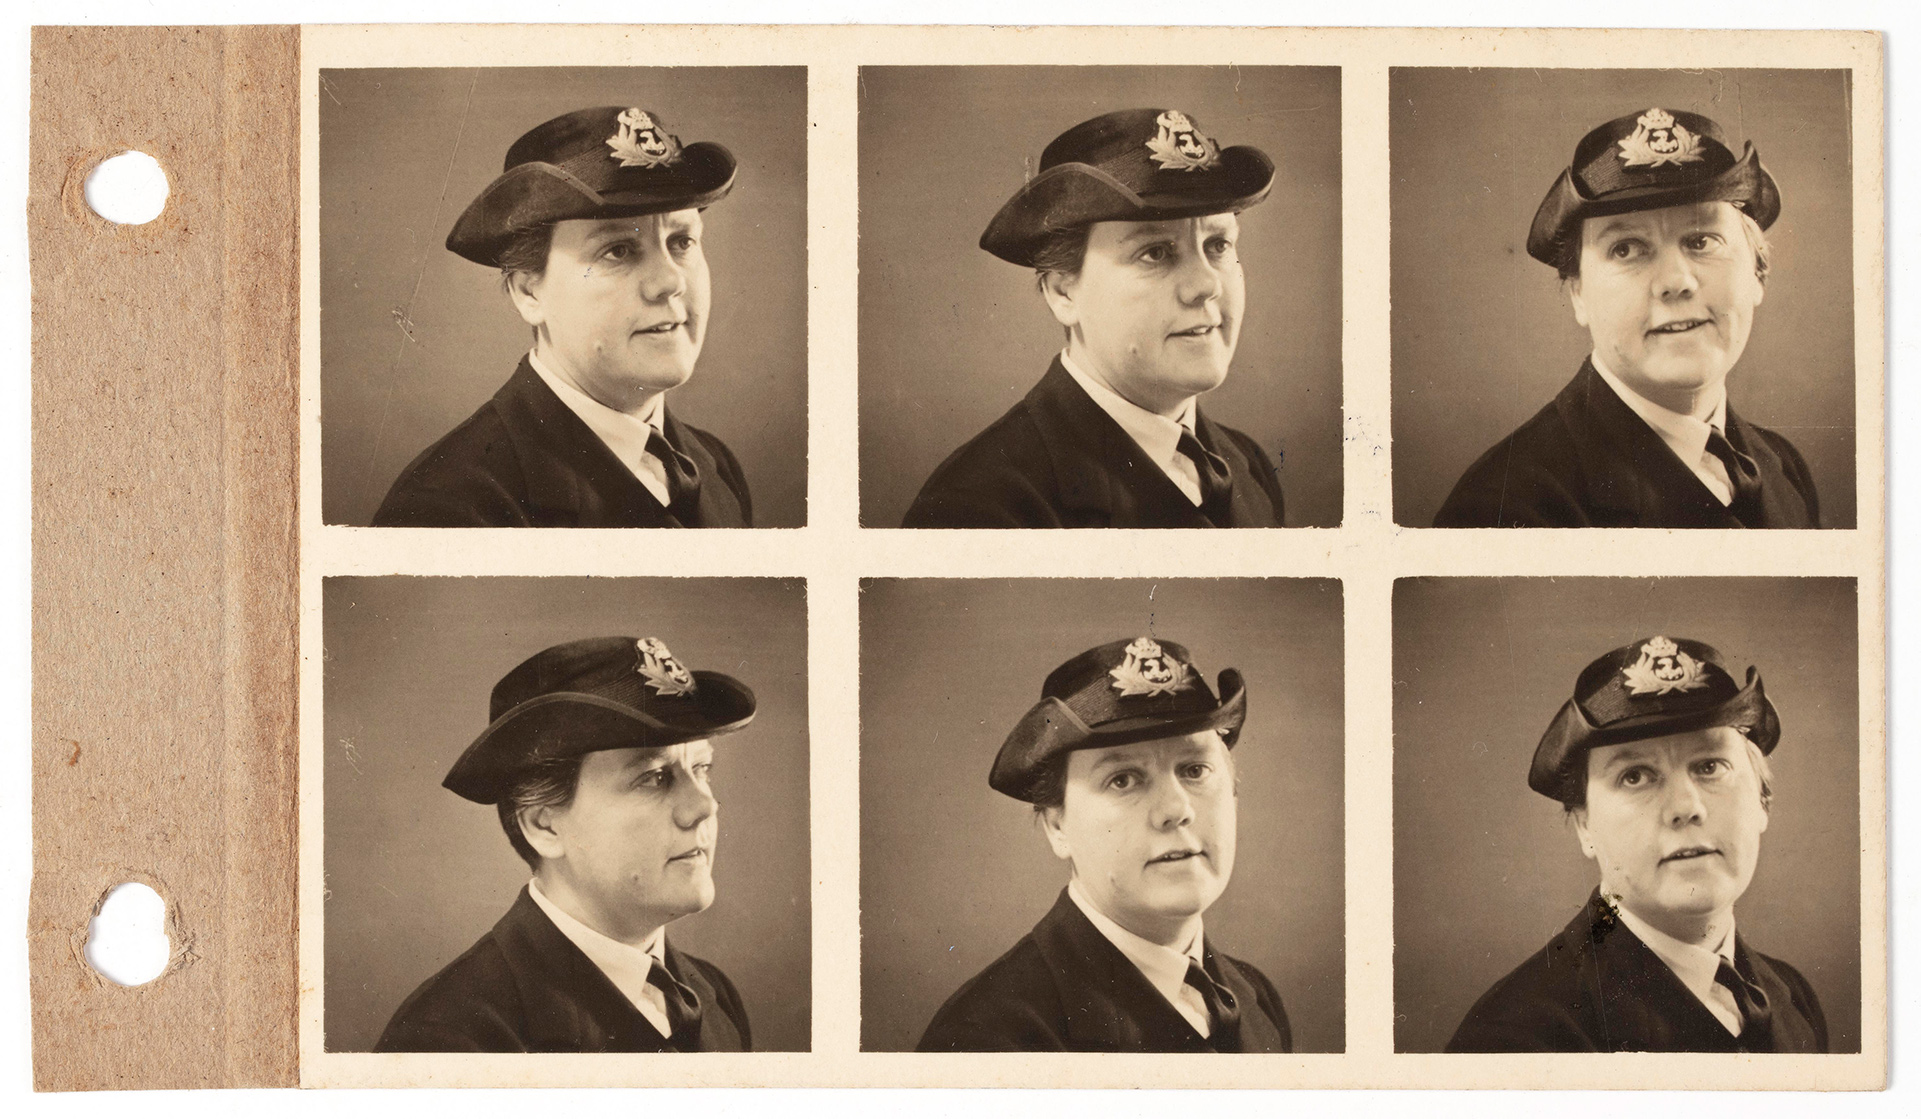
641 142
1179 146
1146 670
1657 140
662 670
1663 668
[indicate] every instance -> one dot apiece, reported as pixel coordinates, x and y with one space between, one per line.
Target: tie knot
683 477
1217 482
1757 1015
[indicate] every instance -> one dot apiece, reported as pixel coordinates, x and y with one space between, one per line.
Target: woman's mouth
663 328
1175 856
1201 331
1680 326
1686 853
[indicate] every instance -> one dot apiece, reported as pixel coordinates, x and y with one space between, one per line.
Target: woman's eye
1195 771
653 778
1701 242
1634 777
1155 254
682 242
620 250
1622 250
1122 781
1220 246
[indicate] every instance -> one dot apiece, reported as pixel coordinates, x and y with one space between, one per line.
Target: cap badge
1146 670
1179 146
1656 140
663 671
641 142
1663 668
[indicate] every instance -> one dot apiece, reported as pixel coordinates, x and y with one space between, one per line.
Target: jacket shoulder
728 465
1001 478
1805 1000
1532 1009
469 477
472 1005
1530 479
1012 1006
725 993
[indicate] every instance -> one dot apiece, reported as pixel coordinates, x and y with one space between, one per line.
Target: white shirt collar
1158 435
1694 965
1164 967
625 435
626 965
1686 436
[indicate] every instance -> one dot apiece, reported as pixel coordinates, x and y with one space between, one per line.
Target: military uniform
525 459
1056 460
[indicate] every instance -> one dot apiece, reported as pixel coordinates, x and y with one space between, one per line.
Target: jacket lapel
719 506
718 1033
1781 504
571 1005
1634 478
1250 508
571 476
1105 478
1110 1006
1638 1003
1793 1033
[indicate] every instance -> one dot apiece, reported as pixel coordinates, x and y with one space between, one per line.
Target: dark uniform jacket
1587 461
1064 986
524 460
1056 460
1598 988
525 988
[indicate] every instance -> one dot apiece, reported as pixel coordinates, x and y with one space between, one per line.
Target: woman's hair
547 784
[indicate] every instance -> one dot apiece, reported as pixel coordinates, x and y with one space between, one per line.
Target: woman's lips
1679 326
1690 853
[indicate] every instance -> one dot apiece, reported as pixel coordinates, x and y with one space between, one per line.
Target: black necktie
1222 1008
1217 485
1744 478
1757 1017
683 1009
683 478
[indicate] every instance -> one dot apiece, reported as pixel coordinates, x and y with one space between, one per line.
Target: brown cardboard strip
165 449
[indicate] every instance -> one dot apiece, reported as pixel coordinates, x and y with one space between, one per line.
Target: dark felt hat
1123 691
1132 165
602 693
1651 688
593 163
1645 161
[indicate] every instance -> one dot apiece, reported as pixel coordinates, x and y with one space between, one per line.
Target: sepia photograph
1627 816
1677 242
563 297
523 841
1100 297
1102 816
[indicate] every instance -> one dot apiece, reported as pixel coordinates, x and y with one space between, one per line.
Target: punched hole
127 941
128 189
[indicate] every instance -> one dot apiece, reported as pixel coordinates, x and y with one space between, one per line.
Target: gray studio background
1486 871
953 873
1483 337
415 874
413 338
951 338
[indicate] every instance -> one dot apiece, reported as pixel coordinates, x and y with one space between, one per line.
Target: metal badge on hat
1179 146
1146 670
1663 668
641 143
1657 139
664 672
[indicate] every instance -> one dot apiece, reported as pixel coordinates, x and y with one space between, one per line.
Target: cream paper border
1367 553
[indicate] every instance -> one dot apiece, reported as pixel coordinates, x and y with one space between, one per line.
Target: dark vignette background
1486 870
953 873
1483 337
951 338
415 874
414 338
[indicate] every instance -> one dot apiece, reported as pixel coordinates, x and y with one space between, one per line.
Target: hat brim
1071 195
1746 184
1051 729
1560 761
535 194
560 725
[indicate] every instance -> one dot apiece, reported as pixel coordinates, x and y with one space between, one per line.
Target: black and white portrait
1102 816
525 847
1626 815
1622 298
563 298
1100 297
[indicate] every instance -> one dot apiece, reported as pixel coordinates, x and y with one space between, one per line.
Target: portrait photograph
523 843
1623 298
563 297
1627 816
1102 816
1100 296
